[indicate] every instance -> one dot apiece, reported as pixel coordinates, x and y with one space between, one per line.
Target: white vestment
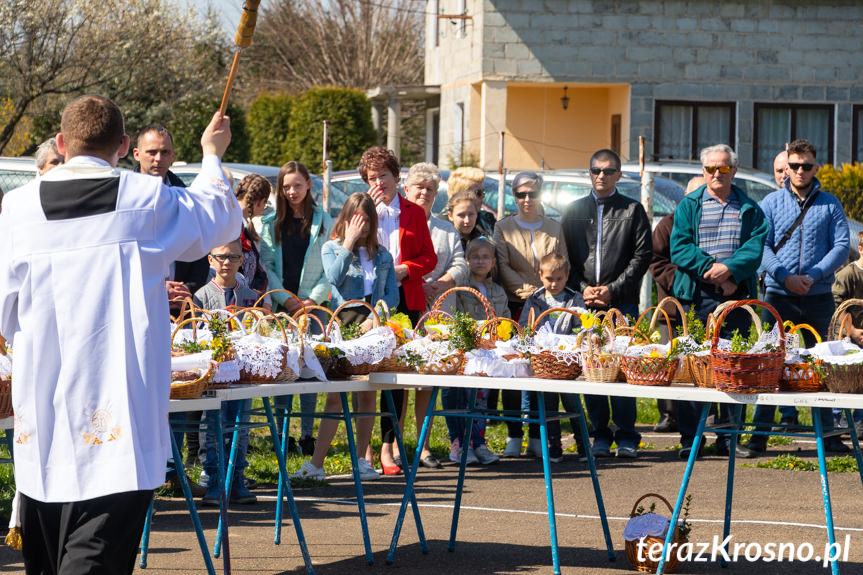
84 306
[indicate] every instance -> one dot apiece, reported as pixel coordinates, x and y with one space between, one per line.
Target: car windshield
568 192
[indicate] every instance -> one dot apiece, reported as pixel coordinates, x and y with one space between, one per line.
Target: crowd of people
386 245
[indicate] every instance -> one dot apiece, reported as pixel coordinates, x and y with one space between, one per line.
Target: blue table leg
352 447
400 441
145 540
591 464
549 492
409 485
825 487
465 445
855 441
729 480
190 503
225 497
277 536
684 485
292 505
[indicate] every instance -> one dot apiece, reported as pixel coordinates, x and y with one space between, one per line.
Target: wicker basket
699 365
684 372
203 316
286 374
343 365
290 294
544 363
843 378
646 370
646 565
446 366
802 377
389 364
597 365
747 372
191 389
5 398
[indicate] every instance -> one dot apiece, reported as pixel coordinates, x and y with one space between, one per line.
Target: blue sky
230 11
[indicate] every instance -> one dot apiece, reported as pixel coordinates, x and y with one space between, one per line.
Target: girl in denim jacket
358 268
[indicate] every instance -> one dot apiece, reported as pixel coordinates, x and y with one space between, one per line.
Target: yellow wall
538 128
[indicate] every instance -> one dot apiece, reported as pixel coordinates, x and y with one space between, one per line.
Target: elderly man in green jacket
716 243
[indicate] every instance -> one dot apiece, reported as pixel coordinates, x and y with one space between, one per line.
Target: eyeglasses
606 171
222 258
480 193
795 166
523 195
713 169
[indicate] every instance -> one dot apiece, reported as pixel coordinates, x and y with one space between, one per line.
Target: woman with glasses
472 179
521 242
421 188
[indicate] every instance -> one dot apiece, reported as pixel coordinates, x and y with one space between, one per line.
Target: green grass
790 462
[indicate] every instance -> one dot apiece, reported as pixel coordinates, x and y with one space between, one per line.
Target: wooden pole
501 185
325 196
243 39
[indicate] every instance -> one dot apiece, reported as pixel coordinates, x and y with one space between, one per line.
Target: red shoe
394 470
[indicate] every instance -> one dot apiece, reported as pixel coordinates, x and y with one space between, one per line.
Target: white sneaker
204 479
534 448
309 471
513 447
471 457
455 451
485 456
367 472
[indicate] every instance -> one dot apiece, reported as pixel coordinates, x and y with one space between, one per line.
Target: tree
300 44
188 120
268 125
141 53
351 130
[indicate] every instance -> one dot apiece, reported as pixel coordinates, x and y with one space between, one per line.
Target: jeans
815 310
570 404
458 398
229 412
622 411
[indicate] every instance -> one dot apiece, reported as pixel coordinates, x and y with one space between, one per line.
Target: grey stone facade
747 52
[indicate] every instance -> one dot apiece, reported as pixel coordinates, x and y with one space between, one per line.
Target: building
562 78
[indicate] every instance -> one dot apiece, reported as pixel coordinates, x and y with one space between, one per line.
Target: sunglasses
714 169
606 171
795 166
222 258
523 195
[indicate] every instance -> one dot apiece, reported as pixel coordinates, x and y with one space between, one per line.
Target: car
15 172
756 184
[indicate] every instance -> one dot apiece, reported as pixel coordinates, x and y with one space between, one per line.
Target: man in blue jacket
799 274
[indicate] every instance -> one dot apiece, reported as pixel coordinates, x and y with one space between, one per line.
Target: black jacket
626 246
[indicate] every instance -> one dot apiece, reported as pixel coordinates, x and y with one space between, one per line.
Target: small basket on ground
647 369
747 372
803 376
546 364
843 378
644 563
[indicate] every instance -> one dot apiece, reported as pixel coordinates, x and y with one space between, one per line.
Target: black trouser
399 397
512 402
94 537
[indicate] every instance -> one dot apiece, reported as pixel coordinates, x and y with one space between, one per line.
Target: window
857 135
684 128
779 124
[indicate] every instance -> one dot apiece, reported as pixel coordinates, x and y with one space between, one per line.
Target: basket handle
679 307
376 321
749 302
807 327
430 313
489 310
282 290
539 318
655 311
711 319
2 345
263 313
837 320
492 334
645 496
305 312
612 317
580 337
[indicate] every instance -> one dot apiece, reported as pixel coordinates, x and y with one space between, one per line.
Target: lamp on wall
564 101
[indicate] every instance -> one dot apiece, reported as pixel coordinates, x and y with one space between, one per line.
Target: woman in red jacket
403 230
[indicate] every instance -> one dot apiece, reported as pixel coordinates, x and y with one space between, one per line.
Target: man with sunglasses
716 244
609 241
799 267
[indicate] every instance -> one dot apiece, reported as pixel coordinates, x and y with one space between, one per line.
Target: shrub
351 130
847 185
188 121
268 125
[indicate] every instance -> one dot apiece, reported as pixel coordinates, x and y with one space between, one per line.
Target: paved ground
503 527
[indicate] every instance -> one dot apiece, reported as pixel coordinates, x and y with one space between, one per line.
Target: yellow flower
504 330
587 320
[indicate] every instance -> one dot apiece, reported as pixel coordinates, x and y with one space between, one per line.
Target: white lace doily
5 366
431 352
311 364
563 347
372 347
652 349
263 355
227 372
841 352
491 362
200 360
647 525
763 345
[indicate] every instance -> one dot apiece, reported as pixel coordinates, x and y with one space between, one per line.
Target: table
675 392
343 387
